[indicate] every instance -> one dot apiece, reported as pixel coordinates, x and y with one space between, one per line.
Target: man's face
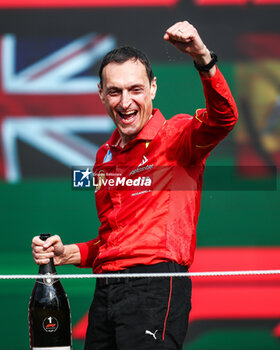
127 95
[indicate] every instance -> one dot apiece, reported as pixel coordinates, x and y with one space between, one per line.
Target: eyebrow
137 85
129 88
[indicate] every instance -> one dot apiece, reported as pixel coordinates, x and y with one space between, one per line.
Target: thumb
52 241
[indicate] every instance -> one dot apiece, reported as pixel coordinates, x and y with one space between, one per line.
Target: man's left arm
184 36
212 124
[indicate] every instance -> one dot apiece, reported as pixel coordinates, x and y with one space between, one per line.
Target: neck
125 139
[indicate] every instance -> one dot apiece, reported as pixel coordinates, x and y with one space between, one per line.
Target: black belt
156 268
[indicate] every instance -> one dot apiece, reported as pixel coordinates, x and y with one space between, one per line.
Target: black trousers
140 313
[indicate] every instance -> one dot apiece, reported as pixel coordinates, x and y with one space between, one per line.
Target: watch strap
207 67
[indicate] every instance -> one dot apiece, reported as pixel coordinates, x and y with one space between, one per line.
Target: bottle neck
47 268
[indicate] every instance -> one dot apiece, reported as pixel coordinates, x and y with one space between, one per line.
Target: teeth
128 113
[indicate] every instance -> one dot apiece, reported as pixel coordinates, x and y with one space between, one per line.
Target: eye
136 90
113 92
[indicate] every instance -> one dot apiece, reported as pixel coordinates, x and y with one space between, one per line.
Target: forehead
124 74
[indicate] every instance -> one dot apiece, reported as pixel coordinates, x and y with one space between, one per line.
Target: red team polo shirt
154 219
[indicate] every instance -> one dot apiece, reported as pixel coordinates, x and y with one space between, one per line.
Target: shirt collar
148 132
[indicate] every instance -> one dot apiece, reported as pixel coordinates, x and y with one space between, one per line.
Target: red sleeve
209 126
88 252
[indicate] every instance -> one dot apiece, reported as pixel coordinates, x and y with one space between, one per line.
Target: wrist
208 65
203 58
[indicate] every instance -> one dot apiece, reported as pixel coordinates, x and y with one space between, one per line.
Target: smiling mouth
128 116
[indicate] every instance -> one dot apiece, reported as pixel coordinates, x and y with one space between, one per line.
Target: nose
125 100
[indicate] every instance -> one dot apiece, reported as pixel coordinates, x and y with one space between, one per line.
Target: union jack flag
49 101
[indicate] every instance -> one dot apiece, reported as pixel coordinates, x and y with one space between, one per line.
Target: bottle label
54 348
50 324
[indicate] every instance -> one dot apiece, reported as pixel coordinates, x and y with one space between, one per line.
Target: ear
100 93
153 88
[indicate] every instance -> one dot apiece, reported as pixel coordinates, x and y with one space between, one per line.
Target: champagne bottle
49 311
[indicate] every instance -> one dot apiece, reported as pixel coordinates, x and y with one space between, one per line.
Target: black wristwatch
208 66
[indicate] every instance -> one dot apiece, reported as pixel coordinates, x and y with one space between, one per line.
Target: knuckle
36 249
36 256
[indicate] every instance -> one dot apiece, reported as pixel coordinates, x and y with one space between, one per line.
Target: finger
183 32
176 26
166 37
173 32
179 39
52 241
42 256
41 249
41 261
186 35
37 241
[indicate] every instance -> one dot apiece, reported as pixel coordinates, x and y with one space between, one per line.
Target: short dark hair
123 54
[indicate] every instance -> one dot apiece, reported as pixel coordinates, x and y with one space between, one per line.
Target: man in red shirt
149 181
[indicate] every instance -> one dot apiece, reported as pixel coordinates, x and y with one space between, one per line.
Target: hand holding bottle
54 248
44 250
